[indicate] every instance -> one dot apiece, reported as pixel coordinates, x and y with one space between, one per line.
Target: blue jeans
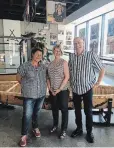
31 109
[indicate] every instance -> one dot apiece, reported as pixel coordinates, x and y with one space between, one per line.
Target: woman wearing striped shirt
58 76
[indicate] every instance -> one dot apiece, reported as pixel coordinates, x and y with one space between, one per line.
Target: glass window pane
94 35
81 31
9 55
108 49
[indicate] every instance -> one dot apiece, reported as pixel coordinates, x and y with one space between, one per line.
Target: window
10 52
81 31
94 35
108 49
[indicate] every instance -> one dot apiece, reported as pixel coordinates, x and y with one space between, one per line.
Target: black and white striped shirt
82 71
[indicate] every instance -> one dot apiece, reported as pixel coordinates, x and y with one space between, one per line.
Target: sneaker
54 128
37 133
62 135
77 132
23 141
90 138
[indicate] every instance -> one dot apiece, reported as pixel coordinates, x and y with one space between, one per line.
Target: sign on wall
56 12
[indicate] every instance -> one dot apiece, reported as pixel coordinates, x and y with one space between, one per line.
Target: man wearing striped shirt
82 65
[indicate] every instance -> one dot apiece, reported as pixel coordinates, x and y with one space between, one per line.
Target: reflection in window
109 35
81 31
9 55
94 35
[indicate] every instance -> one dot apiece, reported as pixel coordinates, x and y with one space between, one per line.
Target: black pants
60 101
87 100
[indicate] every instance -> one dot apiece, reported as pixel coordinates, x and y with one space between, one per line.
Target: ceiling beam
12 13
20 5
68 1
24 2
13 10
71 6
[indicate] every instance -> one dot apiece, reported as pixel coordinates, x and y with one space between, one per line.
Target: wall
91 6
12 59
35 27
83 14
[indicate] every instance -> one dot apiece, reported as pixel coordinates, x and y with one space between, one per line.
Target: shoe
90 138
77 132
23 141
54 128
37 133
62 135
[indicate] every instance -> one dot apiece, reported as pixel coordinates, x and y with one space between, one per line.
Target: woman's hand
52 92
56 92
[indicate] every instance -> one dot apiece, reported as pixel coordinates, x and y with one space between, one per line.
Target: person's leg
77 105
63 105
87 98
35 116
36 111
55 112
28 105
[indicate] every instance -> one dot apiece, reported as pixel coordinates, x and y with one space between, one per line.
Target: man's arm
100 77
98 65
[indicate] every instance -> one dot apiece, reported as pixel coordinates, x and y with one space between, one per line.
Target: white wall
20 28
91 6
35 27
